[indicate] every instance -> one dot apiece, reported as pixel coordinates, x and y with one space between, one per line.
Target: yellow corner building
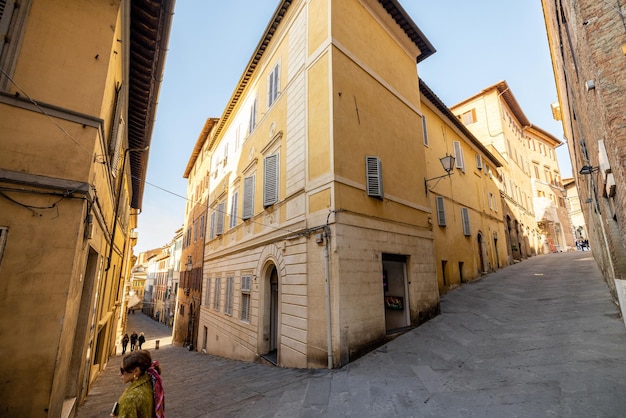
319 243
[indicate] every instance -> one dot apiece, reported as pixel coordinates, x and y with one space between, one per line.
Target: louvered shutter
374 177
219 228
270 180
6 12
248 198
466 222
458 155
233 209
212 229
441 211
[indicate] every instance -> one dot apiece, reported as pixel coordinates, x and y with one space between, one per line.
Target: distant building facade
467 219
198 173
574 209
534 212
587 43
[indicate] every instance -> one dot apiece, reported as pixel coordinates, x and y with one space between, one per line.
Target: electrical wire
44 112
137 178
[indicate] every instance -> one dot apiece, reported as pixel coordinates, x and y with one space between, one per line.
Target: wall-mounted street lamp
587 169
447 163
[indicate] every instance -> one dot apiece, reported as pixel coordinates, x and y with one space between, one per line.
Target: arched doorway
271 303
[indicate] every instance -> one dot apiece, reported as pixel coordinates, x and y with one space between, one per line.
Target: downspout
329 334
117 202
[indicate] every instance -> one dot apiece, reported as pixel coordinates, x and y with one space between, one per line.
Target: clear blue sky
478 43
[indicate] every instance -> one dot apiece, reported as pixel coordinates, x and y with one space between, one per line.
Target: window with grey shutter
228 303
248 198
13 15
441 211
466 222
219 227
270 180
273 83
216 294
374 177
425 130
245 298
479 161
233 209
252 122
458 155
207 300
212 229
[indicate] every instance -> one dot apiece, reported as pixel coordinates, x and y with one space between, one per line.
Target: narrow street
541 338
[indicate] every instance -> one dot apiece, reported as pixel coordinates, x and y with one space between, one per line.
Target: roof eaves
280 12
206 130
402 18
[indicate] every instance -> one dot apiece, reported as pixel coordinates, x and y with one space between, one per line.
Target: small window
248 198
458 155
207 300
252 122
245 298
273 84
233 209
228 307
213 225
245 283
221 211
424 130
374 177
270 180
466 222
490 200
441 211
469 117
4 231
479 161
216 294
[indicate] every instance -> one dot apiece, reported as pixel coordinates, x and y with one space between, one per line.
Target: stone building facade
587 42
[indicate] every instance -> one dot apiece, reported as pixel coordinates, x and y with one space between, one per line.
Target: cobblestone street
541 338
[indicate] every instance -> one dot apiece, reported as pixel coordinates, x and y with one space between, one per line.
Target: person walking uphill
144 397
141 339
133 341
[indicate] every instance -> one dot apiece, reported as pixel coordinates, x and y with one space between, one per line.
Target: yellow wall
50 240
469 189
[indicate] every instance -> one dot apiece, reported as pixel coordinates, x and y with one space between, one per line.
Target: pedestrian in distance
144 397
133 341
141 339
125 340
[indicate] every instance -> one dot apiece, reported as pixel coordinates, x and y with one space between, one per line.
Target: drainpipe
117 201
329 333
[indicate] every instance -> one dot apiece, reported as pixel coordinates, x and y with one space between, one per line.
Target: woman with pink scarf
144 397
